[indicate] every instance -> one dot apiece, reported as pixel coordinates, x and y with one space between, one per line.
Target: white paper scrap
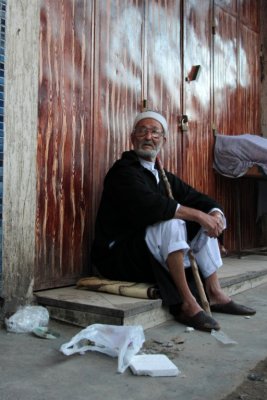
153 365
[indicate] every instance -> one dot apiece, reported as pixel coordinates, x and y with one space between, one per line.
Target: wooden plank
197 141
226 113
236 111
163 72
19 190
117 84
65 120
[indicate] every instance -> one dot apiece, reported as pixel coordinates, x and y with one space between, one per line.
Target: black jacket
132 200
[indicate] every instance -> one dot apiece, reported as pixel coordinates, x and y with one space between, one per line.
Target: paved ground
254 386
34 369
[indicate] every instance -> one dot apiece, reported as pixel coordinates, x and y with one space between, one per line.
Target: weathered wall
263 61
19 203
82 123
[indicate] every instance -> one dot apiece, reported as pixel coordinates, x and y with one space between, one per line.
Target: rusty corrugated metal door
197 140
99 60
65 121
91 59
163 72
236 102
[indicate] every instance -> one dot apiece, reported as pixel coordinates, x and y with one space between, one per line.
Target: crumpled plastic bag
27 318
116 341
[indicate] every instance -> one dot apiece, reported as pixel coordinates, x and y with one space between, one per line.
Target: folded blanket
130 289
234 155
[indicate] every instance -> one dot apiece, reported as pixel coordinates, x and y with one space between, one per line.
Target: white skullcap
154 115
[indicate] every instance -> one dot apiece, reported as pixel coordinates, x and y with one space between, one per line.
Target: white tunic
166 237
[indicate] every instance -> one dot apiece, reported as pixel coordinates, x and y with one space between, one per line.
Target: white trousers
166 237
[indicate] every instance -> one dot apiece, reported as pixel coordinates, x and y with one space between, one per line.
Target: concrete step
83 307
240 283
240 274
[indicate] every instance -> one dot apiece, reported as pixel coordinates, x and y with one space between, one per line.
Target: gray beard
147 153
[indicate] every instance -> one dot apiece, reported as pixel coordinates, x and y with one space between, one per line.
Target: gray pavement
32 368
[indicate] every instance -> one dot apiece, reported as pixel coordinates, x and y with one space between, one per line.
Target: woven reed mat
129 289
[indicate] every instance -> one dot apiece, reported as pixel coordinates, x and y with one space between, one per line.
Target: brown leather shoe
232 308
200 321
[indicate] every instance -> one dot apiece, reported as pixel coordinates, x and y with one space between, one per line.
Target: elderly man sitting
143 234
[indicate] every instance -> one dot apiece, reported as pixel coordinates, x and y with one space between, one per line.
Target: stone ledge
102 303
83 307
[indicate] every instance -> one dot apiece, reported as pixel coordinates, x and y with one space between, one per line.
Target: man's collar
147 164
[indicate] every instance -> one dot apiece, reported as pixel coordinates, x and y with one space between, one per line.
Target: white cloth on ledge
234 155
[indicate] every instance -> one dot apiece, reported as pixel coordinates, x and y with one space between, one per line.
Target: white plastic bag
222 337
116 341
27 318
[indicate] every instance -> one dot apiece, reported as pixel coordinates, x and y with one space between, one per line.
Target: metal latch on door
184 123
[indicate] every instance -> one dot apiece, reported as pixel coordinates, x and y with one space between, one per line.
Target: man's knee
172 228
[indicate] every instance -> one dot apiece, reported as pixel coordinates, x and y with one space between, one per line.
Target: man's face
148 138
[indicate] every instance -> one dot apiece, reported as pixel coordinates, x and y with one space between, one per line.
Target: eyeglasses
142 131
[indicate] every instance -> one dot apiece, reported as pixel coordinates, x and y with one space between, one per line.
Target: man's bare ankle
218 297
191 309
